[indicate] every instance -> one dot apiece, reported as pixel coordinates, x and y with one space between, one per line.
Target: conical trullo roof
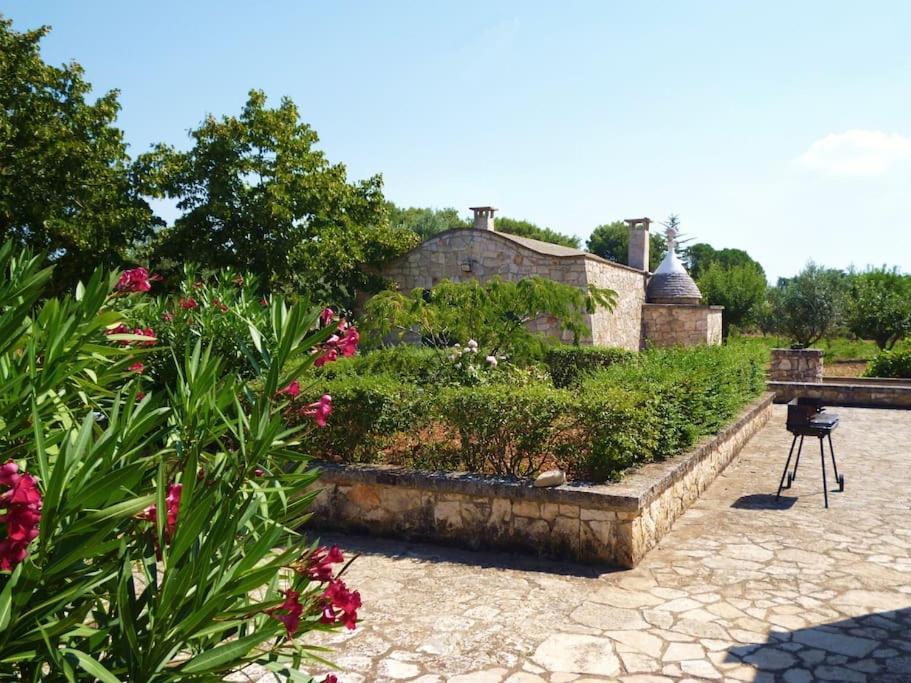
671 284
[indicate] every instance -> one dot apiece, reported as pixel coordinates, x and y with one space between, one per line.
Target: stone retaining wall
796 365
615 524
667 325
861 393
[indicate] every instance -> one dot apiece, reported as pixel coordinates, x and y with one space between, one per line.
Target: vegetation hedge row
568 364
649 406
895 364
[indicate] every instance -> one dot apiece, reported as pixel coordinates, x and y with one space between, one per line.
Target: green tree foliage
535 232
879 306
495 313
808 306
611 241
425 222
700 257
740 288
65 177
257 196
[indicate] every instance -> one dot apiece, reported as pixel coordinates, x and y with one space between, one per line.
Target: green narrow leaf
6 598
92 667
211 660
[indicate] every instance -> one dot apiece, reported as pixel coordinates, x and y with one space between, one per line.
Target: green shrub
368 413
895 364
568 364
505 429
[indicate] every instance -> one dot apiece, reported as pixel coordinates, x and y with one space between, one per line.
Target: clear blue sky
783 128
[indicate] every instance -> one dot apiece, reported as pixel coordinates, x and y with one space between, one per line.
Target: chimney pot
483 217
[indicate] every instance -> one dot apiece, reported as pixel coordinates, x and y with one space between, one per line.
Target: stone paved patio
742 589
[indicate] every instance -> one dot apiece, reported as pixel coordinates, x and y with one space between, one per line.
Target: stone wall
614 524
796 365
665 325
460 255
865 392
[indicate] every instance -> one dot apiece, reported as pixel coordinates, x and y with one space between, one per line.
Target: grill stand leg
839 478
786 466
822 461
796 462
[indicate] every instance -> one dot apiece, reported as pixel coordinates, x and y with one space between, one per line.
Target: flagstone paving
742 589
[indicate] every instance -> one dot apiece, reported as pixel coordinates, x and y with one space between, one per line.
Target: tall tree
879 306
425 222
699 258
65 178
611 241
808 306
740 288
257 195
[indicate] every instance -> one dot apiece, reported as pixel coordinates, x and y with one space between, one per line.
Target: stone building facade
482 253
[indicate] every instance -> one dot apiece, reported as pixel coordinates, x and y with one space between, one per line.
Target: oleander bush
147 534
569 364
896 364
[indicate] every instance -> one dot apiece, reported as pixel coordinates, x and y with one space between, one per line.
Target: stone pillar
483 217
796 365
637 256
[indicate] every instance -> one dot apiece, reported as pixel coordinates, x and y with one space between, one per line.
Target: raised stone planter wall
867 392
666 325
615 524
796 365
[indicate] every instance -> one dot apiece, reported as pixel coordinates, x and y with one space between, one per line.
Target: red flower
219 305
340 605
319 564
147 332
326 316
137 367
289 612
259 472
172 505
327 357
22 502
140 395
239 280
167 316
189 303
330 678
120 329
293 390
133 280
264 301
349 342
320 410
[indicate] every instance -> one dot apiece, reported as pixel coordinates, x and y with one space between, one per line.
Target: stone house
660 309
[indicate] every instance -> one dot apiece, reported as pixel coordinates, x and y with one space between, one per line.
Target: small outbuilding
663 309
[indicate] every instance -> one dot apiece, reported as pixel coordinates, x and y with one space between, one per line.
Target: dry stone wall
666 325
460 255
796 365
614 524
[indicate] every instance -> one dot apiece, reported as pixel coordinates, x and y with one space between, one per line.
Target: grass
837 349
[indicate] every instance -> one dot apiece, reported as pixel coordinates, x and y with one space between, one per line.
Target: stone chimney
483 217
637 256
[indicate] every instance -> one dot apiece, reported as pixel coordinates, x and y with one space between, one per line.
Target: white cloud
858 153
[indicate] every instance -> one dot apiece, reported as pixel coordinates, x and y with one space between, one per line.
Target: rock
550 478
578 654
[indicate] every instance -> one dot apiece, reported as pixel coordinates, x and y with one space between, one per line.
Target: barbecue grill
807 417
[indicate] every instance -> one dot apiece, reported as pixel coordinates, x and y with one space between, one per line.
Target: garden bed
613 523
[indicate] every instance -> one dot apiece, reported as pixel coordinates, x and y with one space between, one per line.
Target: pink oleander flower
289 612
22 504
238 280
172 505
293 390
319 564
319 411
167 316
264 302
140 395
146 332
219 305
349 341
330 678
137 367
327 357
340 605
134 280
326 316
119 329
189 303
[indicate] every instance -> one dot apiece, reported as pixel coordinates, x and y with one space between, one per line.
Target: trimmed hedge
896 364
650 406
569 364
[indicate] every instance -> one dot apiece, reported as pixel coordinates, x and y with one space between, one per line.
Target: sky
781 128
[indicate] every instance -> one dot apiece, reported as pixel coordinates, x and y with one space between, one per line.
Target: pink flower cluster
344 343
172 504
135 280
22 502
338 604
139 331
319 411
